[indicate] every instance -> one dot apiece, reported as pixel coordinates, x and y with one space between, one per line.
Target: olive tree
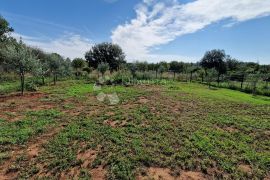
265 74
141 66
43 67
176 67
21 59
4 28
102 68
78 64
192 69
65 69
54 65
161 70
215 59
109 53
133 69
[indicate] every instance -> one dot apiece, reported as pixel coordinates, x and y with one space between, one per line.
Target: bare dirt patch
110 113
157 173
143 100
160 173
245 168
110 123
14 106
231 129
87 157
98 173
115 124
191 175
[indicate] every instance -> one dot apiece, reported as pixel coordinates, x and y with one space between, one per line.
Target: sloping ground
176 131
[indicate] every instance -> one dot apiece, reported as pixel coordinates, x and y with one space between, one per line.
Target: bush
87 69
31 86
121 77
144 75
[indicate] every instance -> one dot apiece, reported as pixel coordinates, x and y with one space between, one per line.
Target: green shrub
31 86
121 77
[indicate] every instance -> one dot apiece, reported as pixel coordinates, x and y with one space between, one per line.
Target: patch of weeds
21 158
4 156
30 172
121 169
84 174
71 88
68 106
20 131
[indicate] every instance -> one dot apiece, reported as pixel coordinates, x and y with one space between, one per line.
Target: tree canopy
106 53
4 27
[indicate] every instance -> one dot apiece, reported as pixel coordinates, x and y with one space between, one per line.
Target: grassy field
169 131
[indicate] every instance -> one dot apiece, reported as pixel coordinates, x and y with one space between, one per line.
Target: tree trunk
202 78
190 79
22 83
209 81
22 79
174 75
43 80
218 80
54 79
156 73
254 88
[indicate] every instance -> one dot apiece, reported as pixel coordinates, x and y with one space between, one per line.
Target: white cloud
159 22
68 45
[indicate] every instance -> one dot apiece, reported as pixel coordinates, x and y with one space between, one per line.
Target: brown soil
156 174
191 175
110 113
143 100
231 129
98 173
267 177
166 174
110 123
87 157
14 106
245 168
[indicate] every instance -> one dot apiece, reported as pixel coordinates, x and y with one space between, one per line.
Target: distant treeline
215 68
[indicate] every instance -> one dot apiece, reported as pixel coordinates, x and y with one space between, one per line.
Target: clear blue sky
152 30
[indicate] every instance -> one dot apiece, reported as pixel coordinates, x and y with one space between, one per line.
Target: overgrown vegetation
180 126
